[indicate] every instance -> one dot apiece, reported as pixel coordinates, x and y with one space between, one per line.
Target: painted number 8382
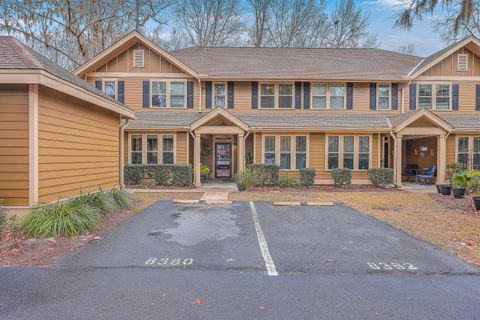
392 266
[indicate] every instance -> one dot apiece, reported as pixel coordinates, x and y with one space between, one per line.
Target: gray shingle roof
462 121
325 63
163 119
16 55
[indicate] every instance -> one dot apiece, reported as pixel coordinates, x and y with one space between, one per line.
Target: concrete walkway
216 192
419 188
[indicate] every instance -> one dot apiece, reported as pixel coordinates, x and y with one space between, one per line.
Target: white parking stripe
271 270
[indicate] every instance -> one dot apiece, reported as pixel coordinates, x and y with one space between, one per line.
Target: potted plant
460 182
445 189
204 172
474 188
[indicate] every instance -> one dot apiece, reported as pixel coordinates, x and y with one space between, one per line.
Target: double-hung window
363 152
285 96
269 150
267 95
220 95
285 152
462 152
442 97
468 152
425 96
434 96
152 149
383 97
300 152
319 96
337 96
110 88
167 150
333 151
476 153
177 94
159 94
136 149
348 152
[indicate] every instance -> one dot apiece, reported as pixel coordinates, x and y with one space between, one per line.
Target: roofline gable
141 38
423 113
219 112
415 73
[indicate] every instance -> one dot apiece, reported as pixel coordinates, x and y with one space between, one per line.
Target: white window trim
110 80
458 62
143 58
470 152
328 95
356 149
389 96
434 94
160 146
214 95
167 88
276 95
293 150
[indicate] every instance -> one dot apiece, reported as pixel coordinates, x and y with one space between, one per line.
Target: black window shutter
349 95
208 94
146 93
255 95
373 96
477 98
121 91
98 84
298 95
190 86
413 96
455 97
306 95
394 96
231 93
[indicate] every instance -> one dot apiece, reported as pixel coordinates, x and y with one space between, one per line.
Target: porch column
441 158
197 160
241 152
398 160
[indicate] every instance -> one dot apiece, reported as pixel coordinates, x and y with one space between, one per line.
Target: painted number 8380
169 262
392 266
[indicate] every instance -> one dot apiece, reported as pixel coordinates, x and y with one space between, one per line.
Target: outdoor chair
427 174
410 171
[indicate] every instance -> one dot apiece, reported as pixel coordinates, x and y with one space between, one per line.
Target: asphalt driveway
247 261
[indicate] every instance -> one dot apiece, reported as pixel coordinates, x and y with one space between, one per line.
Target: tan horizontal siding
14 145
78 147
182 140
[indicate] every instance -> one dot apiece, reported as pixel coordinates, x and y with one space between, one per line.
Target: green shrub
163 174
3 220
288 182
205 170
341 176
380 176
307 177
245 178
461 180
265 174
122 198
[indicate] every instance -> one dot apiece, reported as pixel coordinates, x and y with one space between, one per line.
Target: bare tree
406 49
292 23
460 11
209 22
350 27
450 32
71 32
260 11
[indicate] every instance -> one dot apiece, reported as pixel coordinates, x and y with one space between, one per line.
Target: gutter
122 149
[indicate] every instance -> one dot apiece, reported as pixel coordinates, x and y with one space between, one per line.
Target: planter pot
458 193
476 202
240 187
445 189
203 177
438 188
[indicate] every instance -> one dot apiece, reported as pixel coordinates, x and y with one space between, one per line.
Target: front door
223 160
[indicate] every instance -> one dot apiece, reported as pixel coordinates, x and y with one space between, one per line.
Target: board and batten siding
14 145
78 147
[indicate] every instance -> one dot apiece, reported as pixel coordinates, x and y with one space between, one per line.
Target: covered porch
419 142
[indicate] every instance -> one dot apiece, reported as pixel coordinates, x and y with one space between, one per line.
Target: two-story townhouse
297 108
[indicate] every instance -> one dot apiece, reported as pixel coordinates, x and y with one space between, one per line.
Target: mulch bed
327 188
464 204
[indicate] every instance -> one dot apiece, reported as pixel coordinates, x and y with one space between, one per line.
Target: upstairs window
442 99
285 96
110 88
436 96
462 62
159 94
383 98
319 96
276 95
337 96
177 94
220 95
267 95
425 94
138 58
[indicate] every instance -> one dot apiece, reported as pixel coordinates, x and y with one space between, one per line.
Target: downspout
199 96
122 153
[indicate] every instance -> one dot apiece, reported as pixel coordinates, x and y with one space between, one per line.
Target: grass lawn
420 215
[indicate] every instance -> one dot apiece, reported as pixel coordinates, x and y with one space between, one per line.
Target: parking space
261 237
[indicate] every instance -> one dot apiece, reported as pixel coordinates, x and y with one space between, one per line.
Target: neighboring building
318 108
59 136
